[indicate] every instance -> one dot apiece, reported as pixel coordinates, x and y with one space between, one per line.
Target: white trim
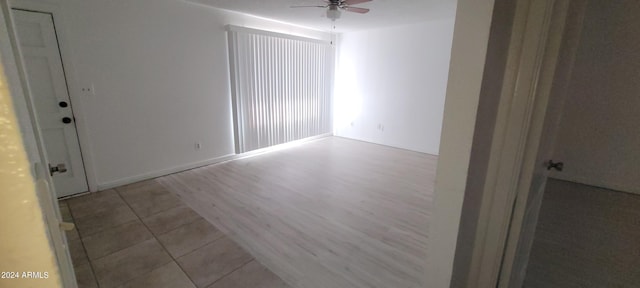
213 161
234 28
15 75
75 95
532 57
13 71
163 172
467 64
522 222
385 145
515 110
280 146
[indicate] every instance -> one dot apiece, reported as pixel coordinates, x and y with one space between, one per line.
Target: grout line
104 230
116 251
157 240
152 237
176 259
212 241
176 228
93 271
155 237
234 270
156 213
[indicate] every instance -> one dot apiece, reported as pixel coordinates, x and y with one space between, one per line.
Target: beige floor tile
78 255
73 234
95 203
115 239
130 263
104 220
85 277
168 276
171 219
213 261
189 237
148 198
251 275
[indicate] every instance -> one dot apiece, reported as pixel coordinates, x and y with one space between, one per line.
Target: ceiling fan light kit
334 7
333 13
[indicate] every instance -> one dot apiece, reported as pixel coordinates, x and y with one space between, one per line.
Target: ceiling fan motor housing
333 12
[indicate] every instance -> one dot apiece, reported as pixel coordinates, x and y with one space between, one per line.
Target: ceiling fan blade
356 9
308 6
354 2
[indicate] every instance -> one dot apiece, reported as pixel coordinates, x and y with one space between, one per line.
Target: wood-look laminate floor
328 213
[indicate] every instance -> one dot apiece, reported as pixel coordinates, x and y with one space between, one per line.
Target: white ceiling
384 13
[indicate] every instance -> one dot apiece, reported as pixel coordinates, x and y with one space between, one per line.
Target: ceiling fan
335 6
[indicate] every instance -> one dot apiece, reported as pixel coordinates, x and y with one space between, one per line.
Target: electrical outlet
197 146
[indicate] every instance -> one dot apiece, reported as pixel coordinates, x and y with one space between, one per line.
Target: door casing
32 139
554 83
74 180
522 106
76 94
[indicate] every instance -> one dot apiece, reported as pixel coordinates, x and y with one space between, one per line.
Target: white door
48 86
14 72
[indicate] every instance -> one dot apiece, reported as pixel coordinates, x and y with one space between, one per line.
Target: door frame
563 43
532 57
31 136
76 94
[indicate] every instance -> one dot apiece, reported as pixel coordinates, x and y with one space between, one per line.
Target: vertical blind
281 87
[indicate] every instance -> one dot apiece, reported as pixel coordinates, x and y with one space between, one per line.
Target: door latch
60 168
555 165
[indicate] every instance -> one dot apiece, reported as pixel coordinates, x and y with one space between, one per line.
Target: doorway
52 107
587 231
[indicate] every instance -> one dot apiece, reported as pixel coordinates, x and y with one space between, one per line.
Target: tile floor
141 235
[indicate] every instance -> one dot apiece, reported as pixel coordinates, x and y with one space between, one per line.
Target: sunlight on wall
347 97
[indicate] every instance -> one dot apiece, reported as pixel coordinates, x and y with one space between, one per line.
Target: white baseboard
386 145
163 172
218 160
594 182
281 146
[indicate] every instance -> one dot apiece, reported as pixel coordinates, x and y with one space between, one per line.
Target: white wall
395 77
159 69
599 135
